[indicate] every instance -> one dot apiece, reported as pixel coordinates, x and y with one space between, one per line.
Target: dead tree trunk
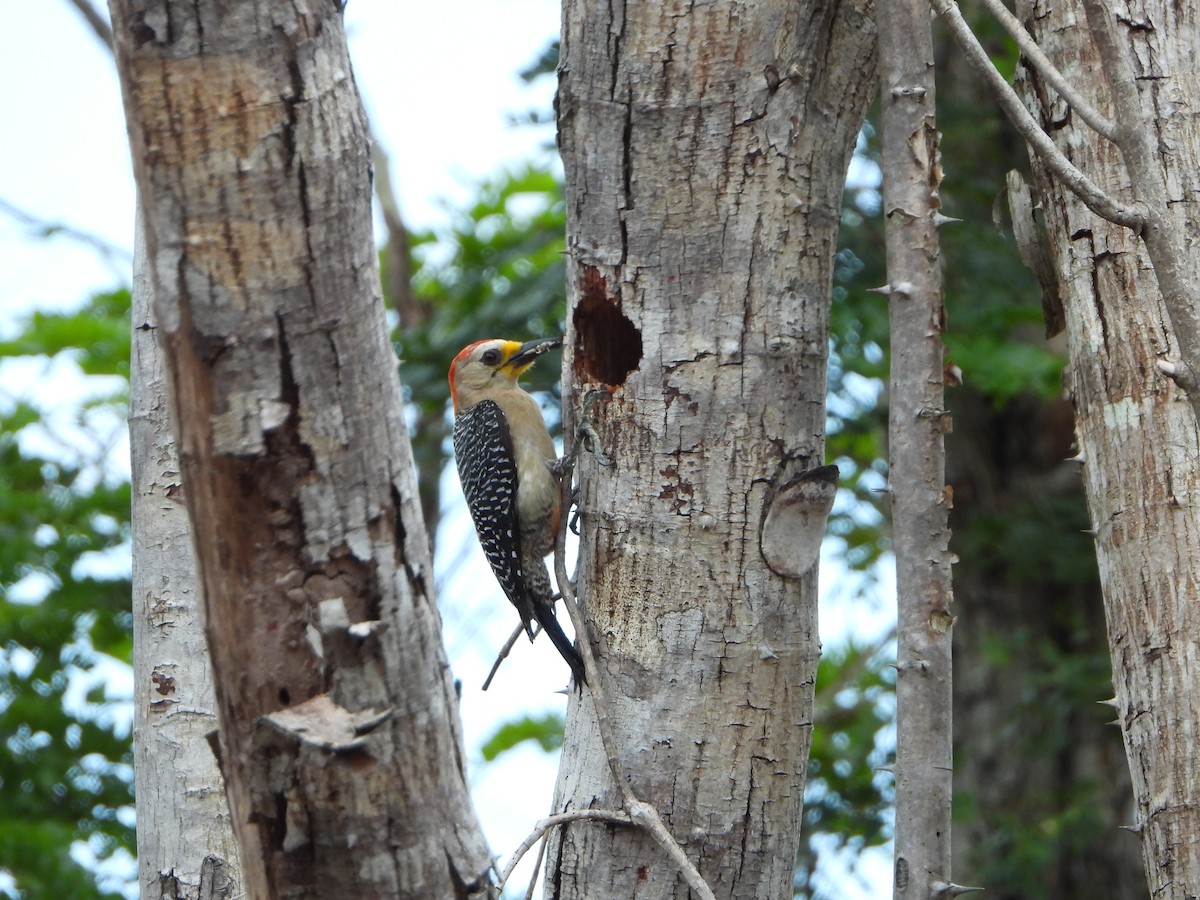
185 841
339 740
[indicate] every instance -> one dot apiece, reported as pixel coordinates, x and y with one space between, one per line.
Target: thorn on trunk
950 889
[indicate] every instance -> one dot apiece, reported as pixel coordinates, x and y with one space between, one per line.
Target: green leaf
546 730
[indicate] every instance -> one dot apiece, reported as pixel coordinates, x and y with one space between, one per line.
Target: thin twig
537 868
503 654
1055 78
413 310
640 812
540 829
97 21
47 228
1076 181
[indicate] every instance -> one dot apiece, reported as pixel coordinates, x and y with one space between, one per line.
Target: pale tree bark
340 743
705 148
917 423
1045 781
1136 430
185 842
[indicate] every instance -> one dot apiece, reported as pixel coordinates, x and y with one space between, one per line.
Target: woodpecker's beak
531 350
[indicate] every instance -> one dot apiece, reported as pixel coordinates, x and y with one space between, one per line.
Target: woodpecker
504 455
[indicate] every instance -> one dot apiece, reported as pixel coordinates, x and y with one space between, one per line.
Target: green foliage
547 730
65 773
96 337
1041 832
498 272
847 798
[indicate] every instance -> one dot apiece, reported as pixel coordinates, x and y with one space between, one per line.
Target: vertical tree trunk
185 842
339 725
917 423
705 148
1137 434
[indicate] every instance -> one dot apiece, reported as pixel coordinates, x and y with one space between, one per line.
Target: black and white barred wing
487 469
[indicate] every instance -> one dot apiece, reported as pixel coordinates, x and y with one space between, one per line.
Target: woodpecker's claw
587 434
562 466
589 438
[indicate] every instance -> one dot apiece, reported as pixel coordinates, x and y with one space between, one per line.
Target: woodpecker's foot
587 436
562 466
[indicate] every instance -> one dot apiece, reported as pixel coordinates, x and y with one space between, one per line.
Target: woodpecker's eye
490 357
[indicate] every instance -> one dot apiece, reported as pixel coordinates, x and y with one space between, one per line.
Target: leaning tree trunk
339 724
1137 433
705 148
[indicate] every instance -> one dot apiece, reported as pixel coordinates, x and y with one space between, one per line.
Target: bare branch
412 310
503 654
1174 268
1072 178
537 868
1040 61
48 228
96 20
543 826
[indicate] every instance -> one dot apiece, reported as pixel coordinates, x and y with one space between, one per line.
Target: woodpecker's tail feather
544 612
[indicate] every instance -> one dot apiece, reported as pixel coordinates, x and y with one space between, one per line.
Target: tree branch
1040 61
503 654
47 228
97 21
1174 268
1072 178
543 826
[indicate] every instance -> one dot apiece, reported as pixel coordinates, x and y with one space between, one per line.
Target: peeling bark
185 841
339 740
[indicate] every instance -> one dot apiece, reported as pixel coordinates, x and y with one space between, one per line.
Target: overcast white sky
439 86
439 82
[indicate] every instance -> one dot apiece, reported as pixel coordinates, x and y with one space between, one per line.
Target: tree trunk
1137 434
917 425
185 843
1040 783
705 149
340 743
